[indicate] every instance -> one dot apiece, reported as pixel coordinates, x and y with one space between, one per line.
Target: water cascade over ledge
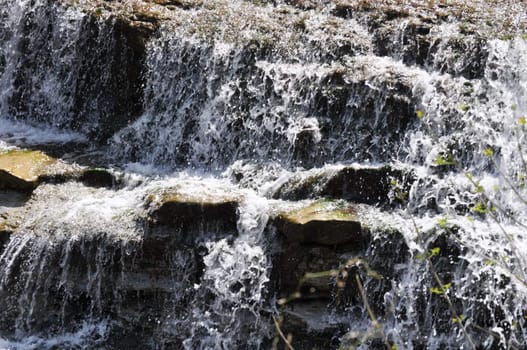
262 175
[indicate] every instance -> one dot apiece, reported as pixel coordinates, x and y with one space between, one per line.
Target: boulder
23 170
180 208
323 222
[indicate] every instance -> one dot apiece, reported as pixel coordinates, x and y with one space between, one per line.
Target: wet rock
317 238
98 177
104 91
448 251
185 208
323 222
369 185
7 228
364 185
310 327
294 261
11 214
419 35
378 267
410 42
23 170
4 237
320 283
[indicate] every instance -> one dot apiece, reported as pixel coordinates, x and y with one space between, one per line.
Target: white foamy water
88 333
13 133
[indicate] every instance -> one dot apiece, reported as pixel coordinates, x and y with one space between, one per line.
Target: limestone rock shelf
24 169
323 223
172 207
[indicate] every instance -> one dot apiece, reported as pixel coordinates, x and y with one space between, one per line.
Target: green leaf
443 222
480 208
437 291
420 114
442 160
488 152
434 251
441 290
458 319
522 121
463 107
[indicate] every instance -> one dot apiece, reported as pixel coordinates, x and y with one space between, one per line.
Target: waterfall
215 122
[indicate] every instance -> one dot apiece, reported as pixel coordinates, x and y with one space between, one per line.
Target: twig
284 338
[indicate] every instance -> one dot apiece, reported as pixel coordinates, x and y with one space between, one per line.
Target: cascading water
252 104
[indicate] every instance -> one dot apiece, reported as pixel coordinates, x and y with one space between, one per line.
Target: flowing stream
234 113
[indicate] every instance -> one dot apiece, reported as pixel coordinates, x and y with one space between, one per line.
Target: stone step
23 170
323 222
359 184
183 207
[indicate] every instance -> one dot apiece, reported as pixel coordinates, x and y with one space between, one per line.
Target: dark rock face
359 185
133 287
370 186
98 178
5 235
181 210
322 285
102 72
416 37
313 239
8 181
322 232
415 43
